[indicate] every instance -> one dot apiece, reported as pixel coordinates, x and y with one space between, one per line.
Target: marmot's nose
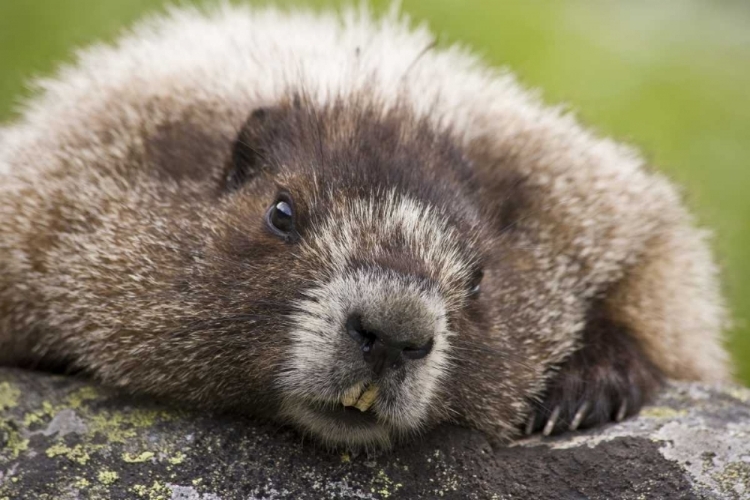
381 350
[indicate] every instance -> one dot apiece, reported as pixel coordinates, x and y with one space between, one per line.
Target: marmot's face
375 265
371 334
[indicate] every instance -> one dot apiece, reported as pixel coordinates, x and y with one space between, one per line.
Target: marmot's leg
672 304
663 320
607 379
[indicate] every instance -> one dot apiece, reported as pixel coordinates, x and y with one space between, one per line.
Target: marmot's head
360 242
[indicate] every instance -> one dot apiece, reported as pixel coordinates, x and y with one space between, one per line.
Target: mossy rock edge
66 438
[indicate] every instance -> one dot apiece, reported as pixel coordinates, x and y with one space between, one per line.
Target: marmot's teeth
352 394
367 399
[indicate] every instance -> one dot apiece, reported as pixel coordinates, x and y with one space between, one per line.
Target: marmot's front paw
607 379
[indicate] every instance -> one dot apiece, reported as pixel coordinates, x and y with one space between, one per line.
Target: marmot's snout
393 321
392 335
368 356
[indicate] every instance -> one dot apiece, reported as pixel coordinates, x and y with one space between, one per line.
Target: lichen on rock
8 395
65 438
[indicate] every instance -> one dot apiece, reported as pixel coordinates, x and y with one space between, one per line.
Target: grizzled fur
134 244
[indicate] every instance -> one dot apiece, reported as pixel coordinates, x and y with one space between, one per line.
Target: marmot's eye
476 283
280 217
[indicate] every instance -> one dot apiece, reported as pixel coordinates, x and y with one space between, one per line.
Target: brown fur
133 247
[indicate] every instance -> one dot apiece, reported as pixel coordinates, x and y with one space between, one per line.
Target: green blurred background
672 77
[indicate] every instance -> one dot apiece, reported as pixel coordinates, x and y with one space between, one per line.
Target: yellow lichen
47 412
140 490
384 485
345 458
107 477
112 426
156 491
118 427
76 399
177 458
8 396
15 444
134 459
146 418
81 483
115 426
732 476
76 454
32 418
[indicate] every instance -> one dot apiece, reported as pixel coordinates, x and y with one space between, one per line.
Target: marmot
327 220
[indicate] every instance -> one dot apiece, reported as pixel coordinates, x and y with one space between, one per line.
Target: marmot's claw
550 425
579 416
622 412
530 423
607 380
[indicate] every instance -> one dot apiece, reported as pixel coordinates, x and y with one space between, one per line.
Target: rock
64 438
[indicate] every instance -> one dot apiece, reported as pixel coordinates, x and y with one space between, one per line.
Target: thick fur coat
135 242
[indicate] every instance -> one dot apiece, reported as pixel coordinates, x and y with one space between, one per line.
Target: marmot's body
327 251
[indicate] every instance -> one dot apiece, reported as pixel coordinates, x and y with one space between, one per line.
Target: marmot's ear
251 148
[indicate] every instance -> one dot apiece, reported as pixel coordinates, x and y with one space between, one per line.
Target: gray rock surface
64 438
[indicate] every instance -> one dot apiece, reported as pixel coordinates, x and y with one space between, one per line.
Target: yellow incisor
358 399
367 399
352 394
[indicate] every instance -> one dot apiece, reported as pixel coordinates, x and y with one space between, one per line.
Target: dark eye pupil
281 216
